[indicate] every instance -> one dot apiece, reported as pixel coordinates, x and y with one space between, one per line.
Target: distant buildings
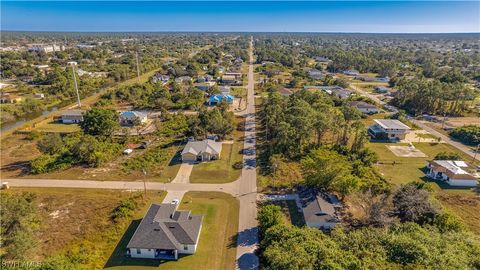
165 232
451 172
10 98
351 72
335 91
364 107
205 150
388 129
45 48
381 89
160 78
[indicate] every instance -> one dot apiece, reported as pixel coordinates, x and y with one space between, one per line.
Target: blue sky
243 16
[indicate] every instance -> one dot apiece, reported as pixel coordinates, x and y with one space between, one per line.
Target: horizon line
193 31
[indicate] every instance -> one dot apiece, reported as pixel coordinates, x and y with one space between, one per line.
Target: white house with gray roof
388 129
201 151
320 209
164 233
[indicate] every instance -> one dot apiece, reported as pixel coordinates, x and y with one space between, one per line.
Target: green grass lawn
58 128
221 171
408 169
216 248
290 212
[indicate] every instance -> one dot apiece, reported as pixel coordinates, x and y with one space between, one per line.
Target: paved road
244 188
467 150
247 184
183 174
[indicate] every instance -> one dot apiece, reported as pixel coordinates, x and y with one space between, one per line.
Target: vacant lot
290 212
222 171
217 246
73 218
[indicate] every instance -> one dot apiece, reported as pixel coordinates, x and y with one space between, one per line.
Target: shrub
124 209
467 134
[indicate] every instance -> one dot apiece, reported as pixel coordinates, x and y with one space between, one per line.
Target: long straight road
247 228
244 188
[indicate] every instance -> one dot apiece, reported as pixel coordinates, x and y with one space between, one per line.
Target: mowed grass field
463 202
222 171
217 245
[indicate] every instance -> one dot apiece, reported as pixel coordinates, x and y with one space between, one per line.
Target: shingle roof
362 104
208 146
317 209
163 227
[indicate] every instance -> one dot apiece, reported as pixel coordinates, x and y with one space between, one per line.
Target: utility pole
144 183
73 64
138 67
475 154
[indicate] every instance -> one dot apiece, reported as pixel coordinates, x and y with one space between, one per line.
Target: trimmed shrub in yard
467 134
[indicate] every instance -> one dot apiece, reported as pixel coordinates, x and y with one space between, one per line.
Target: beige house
201 151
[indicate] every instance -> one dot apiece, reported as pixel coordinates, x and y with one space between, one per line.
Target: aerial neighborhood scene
240 135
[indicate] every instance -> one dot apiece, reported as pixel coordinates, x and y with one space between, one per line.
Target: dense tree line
467 134
419 236
421 95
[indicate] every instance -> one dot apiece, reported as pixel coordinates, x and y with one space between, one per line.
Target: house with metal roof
388 129
215 99
165 232
201 151
72 116
128 118
364 107
452 172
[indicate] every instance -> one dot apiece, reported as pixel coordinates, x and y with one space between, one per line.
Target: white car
127 151
175 201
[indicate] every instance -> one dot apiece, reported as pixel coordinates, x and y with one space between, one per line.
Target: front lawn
402 170
216 248
222 171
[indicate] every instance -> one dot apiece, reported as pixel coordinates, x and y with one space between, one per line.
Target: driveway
183 174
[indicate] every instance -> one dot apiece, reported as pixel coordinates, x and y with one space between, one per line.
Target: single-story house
320 209
286 92
215 99
201 151
364 107
165 232
204 78
388 129
451 172
382 79
229 79
160 78
322 59
224 90
72 116
128 118
335 90
381 89
10 98
204 86
183 79
351 72
237 75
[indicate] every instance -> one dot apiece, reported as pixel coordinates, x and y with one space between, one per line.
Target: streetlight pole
475 154
73 64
